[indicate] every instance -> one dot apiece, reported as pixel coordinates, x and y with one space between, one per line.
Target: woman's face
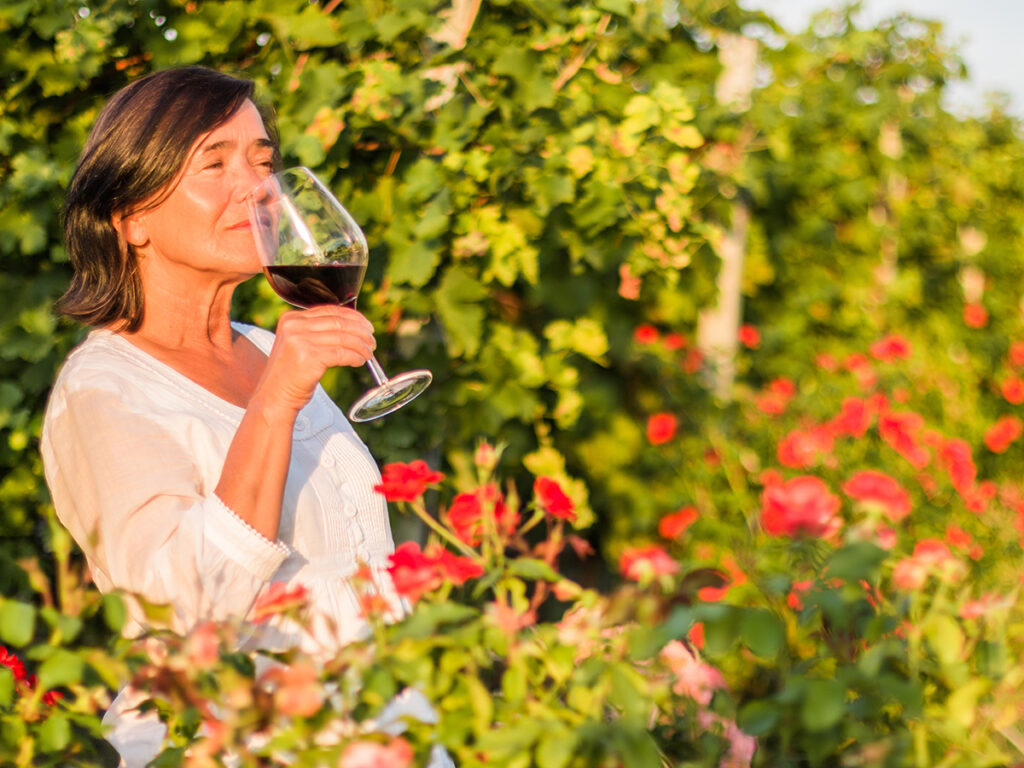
203 223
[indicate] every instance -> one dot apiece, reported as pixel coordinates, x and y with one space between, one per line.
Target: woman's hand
307 343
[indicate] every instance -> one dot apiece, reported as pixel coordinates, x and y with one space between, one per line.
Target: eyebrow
226 143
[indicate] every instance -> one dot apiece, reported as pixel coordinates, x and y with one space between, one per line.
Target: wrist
273 411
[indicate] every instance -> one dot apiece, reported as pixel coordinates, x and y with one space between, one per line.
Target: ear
131 227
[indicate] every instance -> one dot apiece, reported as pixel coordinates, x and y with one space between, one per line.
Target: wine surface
311 286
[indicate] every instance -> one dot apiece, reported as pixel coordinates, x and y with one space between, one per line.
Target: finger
345 321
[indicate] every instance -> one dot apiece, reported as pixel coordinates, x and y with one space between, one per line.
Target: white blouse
132 452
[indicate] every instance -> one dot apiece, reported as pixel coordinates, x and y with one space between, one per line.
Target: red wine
306 286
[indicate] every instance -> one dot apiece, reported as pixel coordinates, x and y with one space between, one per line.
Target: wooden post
718 325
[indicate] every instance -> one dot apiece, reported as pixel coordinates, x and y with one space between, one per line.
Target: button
326 460
301 423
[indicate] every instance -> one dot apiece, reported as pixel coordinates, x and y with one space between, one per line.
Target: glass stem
378 373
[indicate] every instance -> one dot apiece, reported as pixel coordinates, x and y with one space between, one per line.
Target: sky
987 33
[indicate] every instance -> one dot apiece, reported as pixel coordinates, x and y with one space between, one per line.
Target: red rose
958 537
956 457
826 362
891 348
1001 434
749 337
901 431
802 506
371 754
1012 390
873 486
795 597
674 341
13 663
693 361
774 399
277 599
454 568
413 572
661 427
975 316
407 482
466 512
854 418
674 525
645 334
805 447
646 563
552 498
296 688
1016 354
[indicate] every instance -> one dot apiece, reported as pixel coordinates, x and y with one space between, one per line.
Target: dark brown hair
136 148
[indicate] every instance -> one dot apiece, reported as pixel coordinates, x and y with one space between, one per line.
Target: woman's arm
307 343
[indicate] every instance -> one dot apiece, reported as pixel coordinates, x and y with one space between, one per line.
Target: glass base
389 397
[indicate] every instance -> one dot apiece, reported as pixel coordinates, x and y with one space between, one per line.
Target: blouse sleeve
130 493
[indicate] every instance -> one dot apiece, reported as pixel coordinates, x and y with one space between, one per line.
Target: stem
538 515
444 533
378 373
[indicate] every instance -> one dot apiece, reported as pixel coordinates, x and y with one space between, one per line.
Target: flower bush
840 587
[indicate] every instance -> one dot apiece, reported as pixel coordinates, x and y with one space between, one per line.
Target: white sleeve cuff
241 542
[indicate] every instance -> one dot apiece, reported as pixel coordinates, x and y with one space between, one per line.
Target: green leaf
513 62
428 618
308 29
762 632
629 692
6 687
433 220
422 181
66 627
482 703
555 748
54 733
61 668
945 638
17 623
583 335
532 570
412 261
513 683
458 298
823 705
619 7
962 705
758 717
855 562
115 613
12 731
636 747
721 630
156 614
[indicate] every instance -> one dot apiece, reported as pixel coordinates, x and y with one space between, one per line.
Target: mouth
259 221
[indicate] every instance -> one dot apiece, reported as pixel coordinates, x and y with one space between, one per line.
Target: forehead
244 127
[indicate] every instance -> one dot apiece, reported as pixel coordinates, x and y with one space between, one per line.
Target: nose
249 183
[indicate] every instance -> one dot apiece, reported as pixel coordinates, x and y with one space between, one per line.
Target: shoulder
106 372
102 361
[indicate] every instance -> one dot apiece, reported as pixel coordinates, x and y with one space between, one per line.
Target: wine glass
314 253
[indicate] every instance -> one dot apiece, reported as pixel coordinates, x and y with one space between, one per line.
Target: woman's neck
186 310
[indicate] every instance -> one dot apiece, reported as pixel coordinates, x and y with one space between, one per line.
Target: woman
196 460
